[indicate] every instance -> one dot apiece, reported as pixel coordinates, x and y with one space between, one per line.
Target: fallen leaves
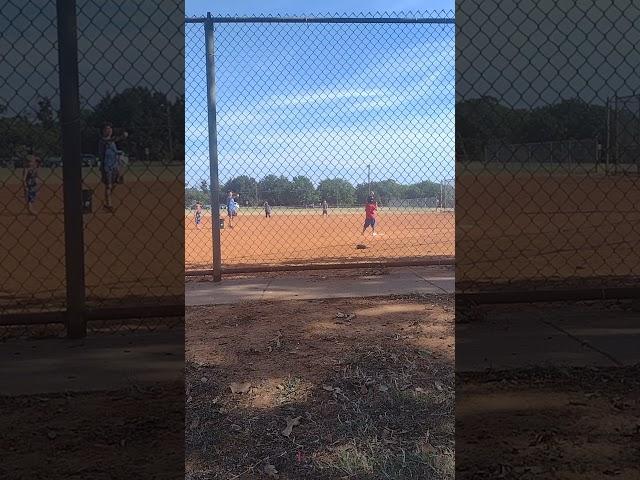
291 422
270 471
238 388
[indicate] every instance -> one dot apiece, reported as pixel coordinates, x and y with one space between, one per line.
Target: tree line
482 121
300 191
155 126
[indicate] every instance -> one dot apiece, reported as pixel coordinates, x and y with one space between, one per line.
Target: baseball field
298 236
130 253
546 225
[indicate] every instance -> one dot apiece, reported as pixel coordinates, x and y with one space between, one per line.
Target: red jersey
371 209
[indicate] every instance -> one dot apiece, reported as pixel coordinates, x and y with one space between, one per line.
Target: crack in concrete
584 343
429 282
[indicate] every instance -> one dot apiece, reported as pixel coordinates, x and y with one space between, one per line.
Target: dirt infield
543 226
296 237
124 250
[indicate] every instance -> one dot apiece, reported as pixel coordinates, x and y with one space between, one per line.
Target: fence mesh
32 266
547 145
130 76
312 118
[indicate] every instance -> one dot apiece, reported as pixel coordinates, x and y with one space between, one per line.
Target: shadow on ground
367 386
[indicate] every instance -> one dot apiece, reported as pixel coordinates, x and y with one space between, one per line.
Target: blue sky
324 101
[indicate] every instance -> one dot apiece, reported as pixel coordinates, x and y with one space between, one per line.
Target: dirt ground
298 237
365 385
569 424
134 433
546 226
124 250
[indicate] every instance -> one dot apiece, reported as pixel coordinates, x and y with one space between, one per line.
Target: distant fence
566 152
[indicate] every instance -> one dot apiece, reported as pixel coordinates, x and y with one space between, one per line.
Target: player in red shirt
371 210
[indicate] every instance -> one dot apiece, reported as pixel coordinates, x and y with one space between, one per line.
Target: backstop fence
90 213
292 123
547 149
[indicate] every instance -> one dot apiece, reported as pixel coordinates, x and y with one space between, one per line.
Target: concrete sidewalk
401 280
105 362
559 336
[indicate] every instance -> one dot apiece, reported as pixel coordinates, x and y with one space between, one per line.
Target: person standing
110 168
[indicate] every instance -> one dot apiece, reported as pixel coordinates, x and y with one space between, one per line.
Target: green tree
193 195
45 113
337 191
302 191
384 191
245 186
148 116
274 190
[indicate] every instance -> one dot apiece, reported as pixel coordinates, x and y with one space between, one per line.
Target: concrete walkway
105 362
401 280
560 336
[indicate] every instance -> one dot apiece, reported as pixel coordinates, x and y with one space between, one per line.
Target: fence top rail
325 19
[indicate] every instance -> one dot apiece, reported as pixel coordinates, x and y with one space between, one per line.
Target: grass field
297 235
132 252
541 226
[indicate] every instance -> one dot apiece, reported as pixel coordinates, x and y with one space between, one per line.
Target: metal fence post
71 167
213 148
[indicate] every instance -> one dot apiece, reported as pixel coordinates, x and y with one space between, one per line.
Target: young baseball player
30 181
371 210
198 215
325 208
267 210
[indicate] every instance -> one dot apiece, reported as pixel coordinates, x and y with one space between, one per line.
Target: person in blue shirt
110 167
232 208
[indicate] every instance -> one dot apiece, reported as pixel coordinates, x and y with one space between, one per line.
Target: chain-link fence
308 118
124 113
547 145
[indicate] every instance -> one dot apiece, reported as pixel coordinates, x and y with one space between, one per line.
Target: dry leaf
240 387
204 379
328 388
270 470
291 422
438 385
195 423
427 449
382 388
